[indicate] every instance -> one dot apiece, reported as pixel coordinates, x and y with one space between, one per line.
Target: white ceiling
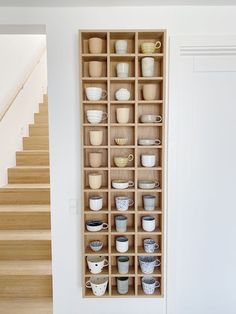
96 3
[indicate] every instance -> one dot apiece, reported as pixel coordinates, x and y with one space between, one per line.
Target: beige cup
95 137
95 181
149 47
95 69
149 91
95 45
122 115
123 161
95 160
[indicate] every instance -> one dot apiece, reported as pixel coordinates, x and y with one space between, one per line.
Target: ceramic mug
96 137
123 264
148 184
121 46
148 67
96 225
95 45
150 118
95 93
98 285
122 94
123 161
148 264
95 160
150 245
122 244
148 223
96 245
149 202
122 115
121 223
96 116
95 69
122 69
149 47
149 285
96 264
122 285
148 142
149 91
123 203
122 184
95 203
148 160
95 181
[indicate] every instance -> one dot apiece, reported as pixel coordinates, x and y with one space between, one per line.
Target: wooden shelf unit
134 171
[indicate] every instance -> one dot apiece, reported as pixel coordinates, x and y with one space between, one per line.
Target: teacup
121 46
121 141
150 118
149 91
95 160
148 142
148 160
95 93
121 223
95 181
148 67
148 223
123 264
148 184
148 264
95 69
149 202
122 115
122 184
149 285
95 203
122 244
123 161
96 225
150 245
122 69
150 47
96 137
98 285
96 116
95 45
96 264
96 245
123 203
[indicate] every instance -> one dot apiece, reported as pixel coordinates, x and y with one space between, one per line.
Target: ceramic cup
123 161
98 285
148 184
148 160
150 118
122 115
96 264
95 69
95 93
121 46
96 116
122 244
95 45
122 285
96 225
148 264
122 184
148 67
148 223
149 202
95 160
148 142
149 91
122 69
96 137
96 245
121 223
95 181
149 47
122 94
123 203
95 203
121 141
149 285
150 245
123 264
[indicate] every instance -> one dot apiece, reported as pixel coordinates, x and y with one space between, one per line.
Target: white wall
18 54
62 39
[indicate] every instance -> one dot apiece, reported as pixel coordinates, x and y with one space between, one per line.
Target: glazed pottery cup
96 245
148 223
95 203
123 161
149 202
98 285
122 94
150 118
149 91
149 47
149 285
95 181
121 46
95 45
95 93
148 160
96 116
95 69
147 142
122 69
123 203
122 285
122 244
148 67
122 184
148 184
123 264
148 264
121 223
96 225
150 245
95 160
96 138
96 264
122 115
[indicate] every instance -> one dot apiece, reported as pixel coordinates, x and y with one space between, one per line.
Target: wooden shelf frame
109 57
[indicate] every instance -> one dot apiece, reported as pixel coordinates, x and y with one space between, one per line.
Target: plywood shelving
133 130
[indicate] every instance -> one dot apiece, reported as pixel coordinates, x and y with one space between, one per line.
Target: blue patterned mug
149 285
148 264
150 245
123 203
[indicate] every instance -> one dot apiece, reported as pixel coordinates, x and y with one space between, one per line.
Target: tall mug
122 115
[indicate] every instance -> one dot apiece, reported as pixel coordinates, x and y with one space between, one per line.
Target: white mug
122 69
96 264
148 223
97 284
95 203
122 244
148 67
148 160
121 46
95 93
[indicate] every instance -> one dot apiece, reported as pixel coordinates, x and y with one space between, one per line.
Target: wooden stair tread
25 268
30 151
24 186
26 306
31 235
24 208
30 167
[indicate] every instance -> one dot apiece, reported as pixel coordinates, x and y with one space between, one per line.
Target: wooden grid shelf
99 202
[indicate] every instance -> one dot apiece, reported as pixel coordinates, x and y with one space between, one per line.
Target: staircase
25 236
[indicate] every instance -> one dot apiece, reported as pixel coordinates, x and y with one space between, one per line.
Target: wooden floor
26 306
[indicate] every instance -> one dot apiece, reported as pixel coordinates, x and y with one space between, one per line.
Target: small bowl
121 141
96 246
